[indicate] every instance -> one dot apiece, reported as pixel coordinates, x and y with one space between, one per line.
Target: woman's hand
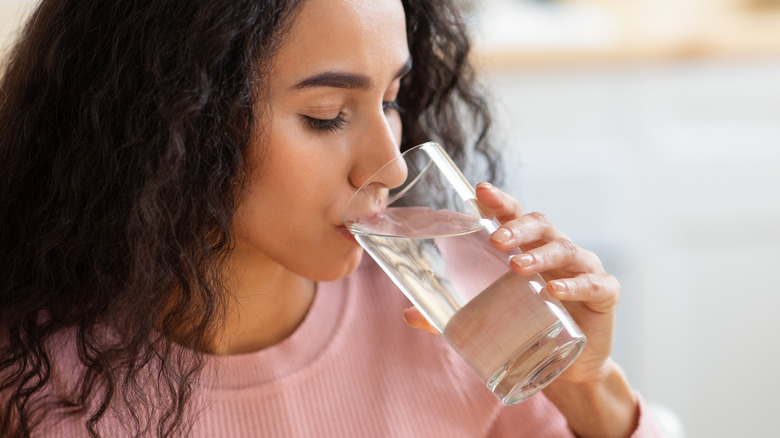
574 275
577 278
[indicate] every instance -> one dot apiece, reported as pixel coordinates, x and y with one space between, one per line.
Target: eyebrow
338 79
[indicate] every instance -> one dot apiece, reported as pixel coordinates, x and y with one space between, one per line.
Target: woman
173 260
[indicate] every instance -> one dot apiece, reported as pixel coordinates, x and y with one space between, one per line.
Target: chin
340 267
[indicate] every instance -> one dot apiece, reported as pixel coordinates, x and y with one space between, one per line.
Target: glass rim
400 156
406 185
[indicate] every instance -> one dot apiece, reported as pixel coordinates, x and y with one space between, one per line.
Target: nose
378 159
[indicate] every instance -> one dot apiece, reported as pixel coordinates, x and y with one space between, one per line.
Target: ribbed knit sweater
353 368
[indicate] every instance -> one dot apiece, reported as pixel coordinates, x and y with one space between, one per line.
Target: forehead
364 36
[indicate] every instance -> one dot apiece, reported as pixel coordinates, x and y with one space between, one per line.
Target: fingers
559 255
416 319
545 247
579 274
518 229
501 205
524 231
600 292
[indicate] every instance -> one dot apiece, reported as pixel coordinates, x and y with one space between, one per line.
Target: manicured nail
523 260
406 316
502 235
557 286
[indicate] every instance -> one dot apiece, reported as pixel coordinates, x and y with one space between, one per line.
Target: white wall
671 172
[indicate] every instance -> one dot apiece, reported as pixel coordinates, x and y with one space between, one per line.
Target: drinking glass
431 237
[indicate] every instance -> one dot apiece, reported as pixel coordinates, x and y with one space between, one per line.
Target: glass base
536 364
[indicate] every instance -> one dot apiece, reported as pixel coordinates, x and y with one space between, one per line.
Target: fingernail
407 312
485 185
557 286
523 260
502 235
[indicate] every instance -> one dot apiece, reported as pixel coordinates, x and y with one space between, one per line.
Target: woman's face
332 125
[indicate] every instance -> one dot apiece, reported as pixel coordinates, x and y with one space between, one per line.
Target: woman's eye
327 125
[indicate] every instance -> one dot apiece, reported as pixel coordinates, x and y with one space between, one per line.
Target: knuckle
594 282
567 246
541 218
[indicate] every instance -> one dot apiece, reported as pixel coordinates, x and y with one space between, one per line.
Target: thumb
416 319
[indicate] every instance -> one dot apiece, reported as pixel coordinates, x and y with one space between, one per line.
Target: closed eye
326 125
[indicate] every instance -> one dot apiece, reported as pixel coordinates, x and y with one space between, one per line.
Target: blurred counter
511 34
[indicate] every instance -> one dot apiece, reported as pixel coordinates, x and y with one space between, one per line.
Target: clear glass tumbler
431 237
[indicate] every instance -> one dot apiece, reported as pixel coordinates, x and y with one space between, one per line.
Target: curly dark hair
125 127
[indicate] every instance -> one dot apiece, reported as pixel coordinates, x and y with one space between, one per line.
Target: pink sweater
355 369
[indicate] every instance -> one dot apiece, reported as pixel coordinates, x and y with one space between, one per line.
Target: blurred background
649 130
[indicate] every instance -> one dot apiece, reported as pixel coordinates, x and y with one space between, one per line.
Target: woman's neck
266 305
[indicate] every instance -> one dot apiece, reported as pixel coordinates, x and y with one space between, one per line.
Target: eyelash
337 123
327 125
